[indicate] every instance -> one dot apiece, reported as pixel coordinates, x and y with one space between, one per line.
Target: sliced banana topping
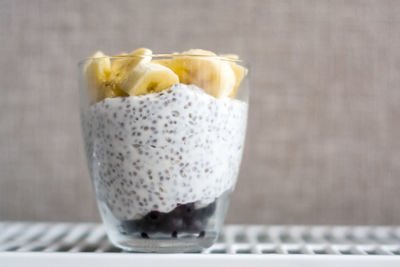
240 72
97 72
148 77
216 76
137 74
111 89
121 67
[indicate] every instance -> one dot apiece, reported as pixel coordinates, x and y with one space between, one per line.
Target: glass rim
222 57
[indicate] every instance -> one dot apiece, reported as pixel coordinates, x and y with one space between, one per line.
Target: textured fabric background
323 140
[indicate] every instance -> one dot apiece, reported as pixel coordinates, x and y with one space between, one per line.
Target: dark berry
153 216
184 218
144 235
202 234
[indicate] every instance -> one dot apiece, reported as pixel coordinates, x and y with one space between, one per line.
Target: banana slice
121 67
240 72
111 89
134 74
148 77
214 75
97 72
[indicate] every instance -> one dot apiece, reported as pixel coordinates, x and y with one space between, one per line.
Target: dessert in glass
164 135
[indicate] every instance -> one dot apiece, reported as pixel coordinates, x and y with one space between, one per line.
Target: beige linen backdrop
323 143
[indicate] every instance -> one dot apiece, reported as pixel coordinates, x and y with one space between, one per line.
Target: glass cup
164 164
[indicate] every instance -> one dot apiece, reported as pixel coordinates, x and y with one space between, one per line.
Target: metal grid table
67 244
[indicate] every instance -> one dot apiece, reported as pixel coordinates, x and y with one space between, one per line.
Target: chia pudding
157 151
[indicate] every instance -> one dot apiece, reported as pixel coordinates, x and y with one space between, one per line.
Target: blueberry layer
183 219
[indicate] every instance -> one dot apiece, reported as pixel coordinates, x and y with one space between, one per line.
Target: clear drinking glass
164 164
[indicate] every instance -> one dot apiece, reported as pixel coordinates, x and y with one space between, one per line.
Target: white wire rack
67 244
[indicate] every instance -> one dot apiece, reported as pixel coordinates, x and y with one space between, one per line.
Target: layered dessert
164 139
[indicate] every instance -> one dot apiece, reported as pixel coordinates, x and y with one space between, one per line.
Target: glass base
178 245
185 229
